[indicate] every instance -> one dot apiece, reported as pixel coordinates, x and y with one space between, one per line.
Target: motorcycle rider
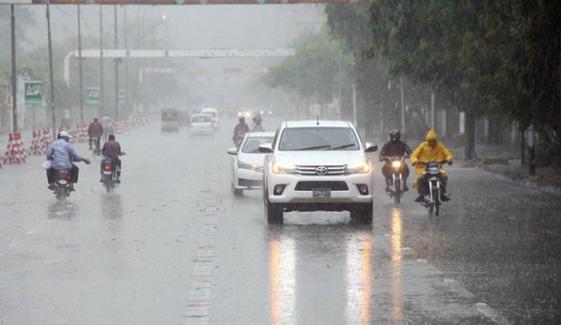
108 127
95 131
257 124
394 148
112 150
240 130
62 155
430 150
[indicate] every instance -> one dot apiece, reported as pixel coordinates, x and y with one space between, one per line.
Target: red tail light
107 167
63 174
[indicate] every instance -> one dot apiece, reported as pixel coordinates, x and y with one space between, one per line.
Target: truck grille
320 170
312 185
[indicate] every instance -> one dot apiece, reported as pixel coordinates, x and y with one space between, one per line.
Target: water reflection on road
298 256
358 278
396 242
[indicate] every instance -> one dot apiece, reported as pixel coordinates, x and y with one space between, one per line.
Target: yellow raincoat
426 153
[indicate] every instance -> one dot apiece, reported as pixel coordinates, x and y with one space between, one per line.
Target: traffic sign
33 93
92 96
122 96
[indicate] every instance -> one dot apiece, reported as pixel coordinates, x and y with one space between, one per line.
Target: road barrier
15 150
40 142
17 154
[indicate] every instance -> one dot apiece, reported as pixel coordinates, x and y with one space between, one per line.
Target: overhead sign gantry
172 2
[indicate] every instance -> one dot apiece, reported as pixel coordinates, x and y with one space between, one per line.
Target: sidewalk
505 162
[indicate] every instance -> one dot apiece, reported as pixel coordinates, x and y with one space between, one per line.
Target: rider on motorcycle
394 148
95 131
111 150
240 130
257 124
62 155
430 150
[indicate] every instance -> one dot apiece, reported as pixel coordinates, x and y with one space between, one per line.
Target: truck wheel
362 213
274 214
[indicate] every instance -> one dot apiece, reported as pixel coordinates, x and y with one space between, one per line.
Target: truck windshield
318 138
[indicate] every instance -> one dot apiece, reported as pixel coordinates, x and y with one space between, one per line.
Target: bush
548 155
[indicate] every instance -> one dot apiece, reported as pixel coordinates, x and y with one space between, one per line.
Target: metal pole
432 110
14 77
116 65
402 95
126 62
51 79
531 150
80 71
354 106
101 90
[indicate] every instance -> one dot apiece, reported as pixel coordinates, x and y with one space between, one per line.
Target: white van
213 113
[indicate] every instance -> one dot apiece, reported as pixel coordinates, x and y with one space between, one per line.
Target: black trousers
74 172
423 184
387 171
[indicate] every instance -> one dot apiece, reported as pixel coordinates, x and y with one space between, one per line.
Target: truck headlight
277 168
243 165
362 168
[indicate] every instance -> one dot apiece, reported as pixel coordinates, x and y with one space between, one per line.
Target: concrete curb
524 182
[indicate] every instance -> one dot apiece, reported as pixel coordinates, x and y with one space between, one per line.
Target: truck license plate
321 193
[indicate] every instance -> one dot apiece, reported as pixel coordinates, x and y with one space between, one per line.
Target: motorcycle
396 164
63 184
95 147
110 175
434 171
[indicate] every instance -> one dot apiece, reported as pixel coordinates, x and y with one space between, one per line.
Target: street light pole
14 78
116 65
80 71
101 94
51 79
127 95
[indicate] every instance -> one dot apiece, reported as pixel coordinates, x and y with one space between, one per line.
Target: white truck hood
320 158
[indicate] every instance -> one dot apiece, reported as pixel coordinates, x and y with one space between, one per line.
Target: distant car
247 162
317 165
201 124
169 120
213 113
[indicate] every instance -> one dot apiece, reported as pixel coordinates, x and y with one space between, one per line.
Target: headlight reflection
359 279
282 279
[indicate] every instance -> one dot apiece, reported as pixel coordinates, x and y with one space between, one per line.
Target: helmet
395 135
64 135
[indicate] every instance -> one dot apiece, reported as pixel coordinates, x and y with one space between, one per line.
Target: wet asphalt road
172 246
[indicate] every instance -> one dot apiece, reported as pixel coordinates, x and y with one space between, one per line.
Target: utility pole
51 79
101 94
402 97
14 77
354 106
127 90
432 110
116 65
80 71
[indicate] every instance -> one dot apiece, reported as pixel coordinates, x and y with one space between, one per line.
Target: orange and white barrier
15 150
40 143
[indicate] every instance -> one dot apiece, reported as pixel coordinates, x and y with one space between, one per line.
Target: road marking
198 305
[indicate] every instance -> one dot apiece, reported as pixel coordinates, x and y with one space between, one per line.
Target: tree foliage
317 70
485 57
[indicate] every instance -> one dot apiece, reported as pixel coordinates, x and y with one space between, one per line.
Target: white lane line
202 283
